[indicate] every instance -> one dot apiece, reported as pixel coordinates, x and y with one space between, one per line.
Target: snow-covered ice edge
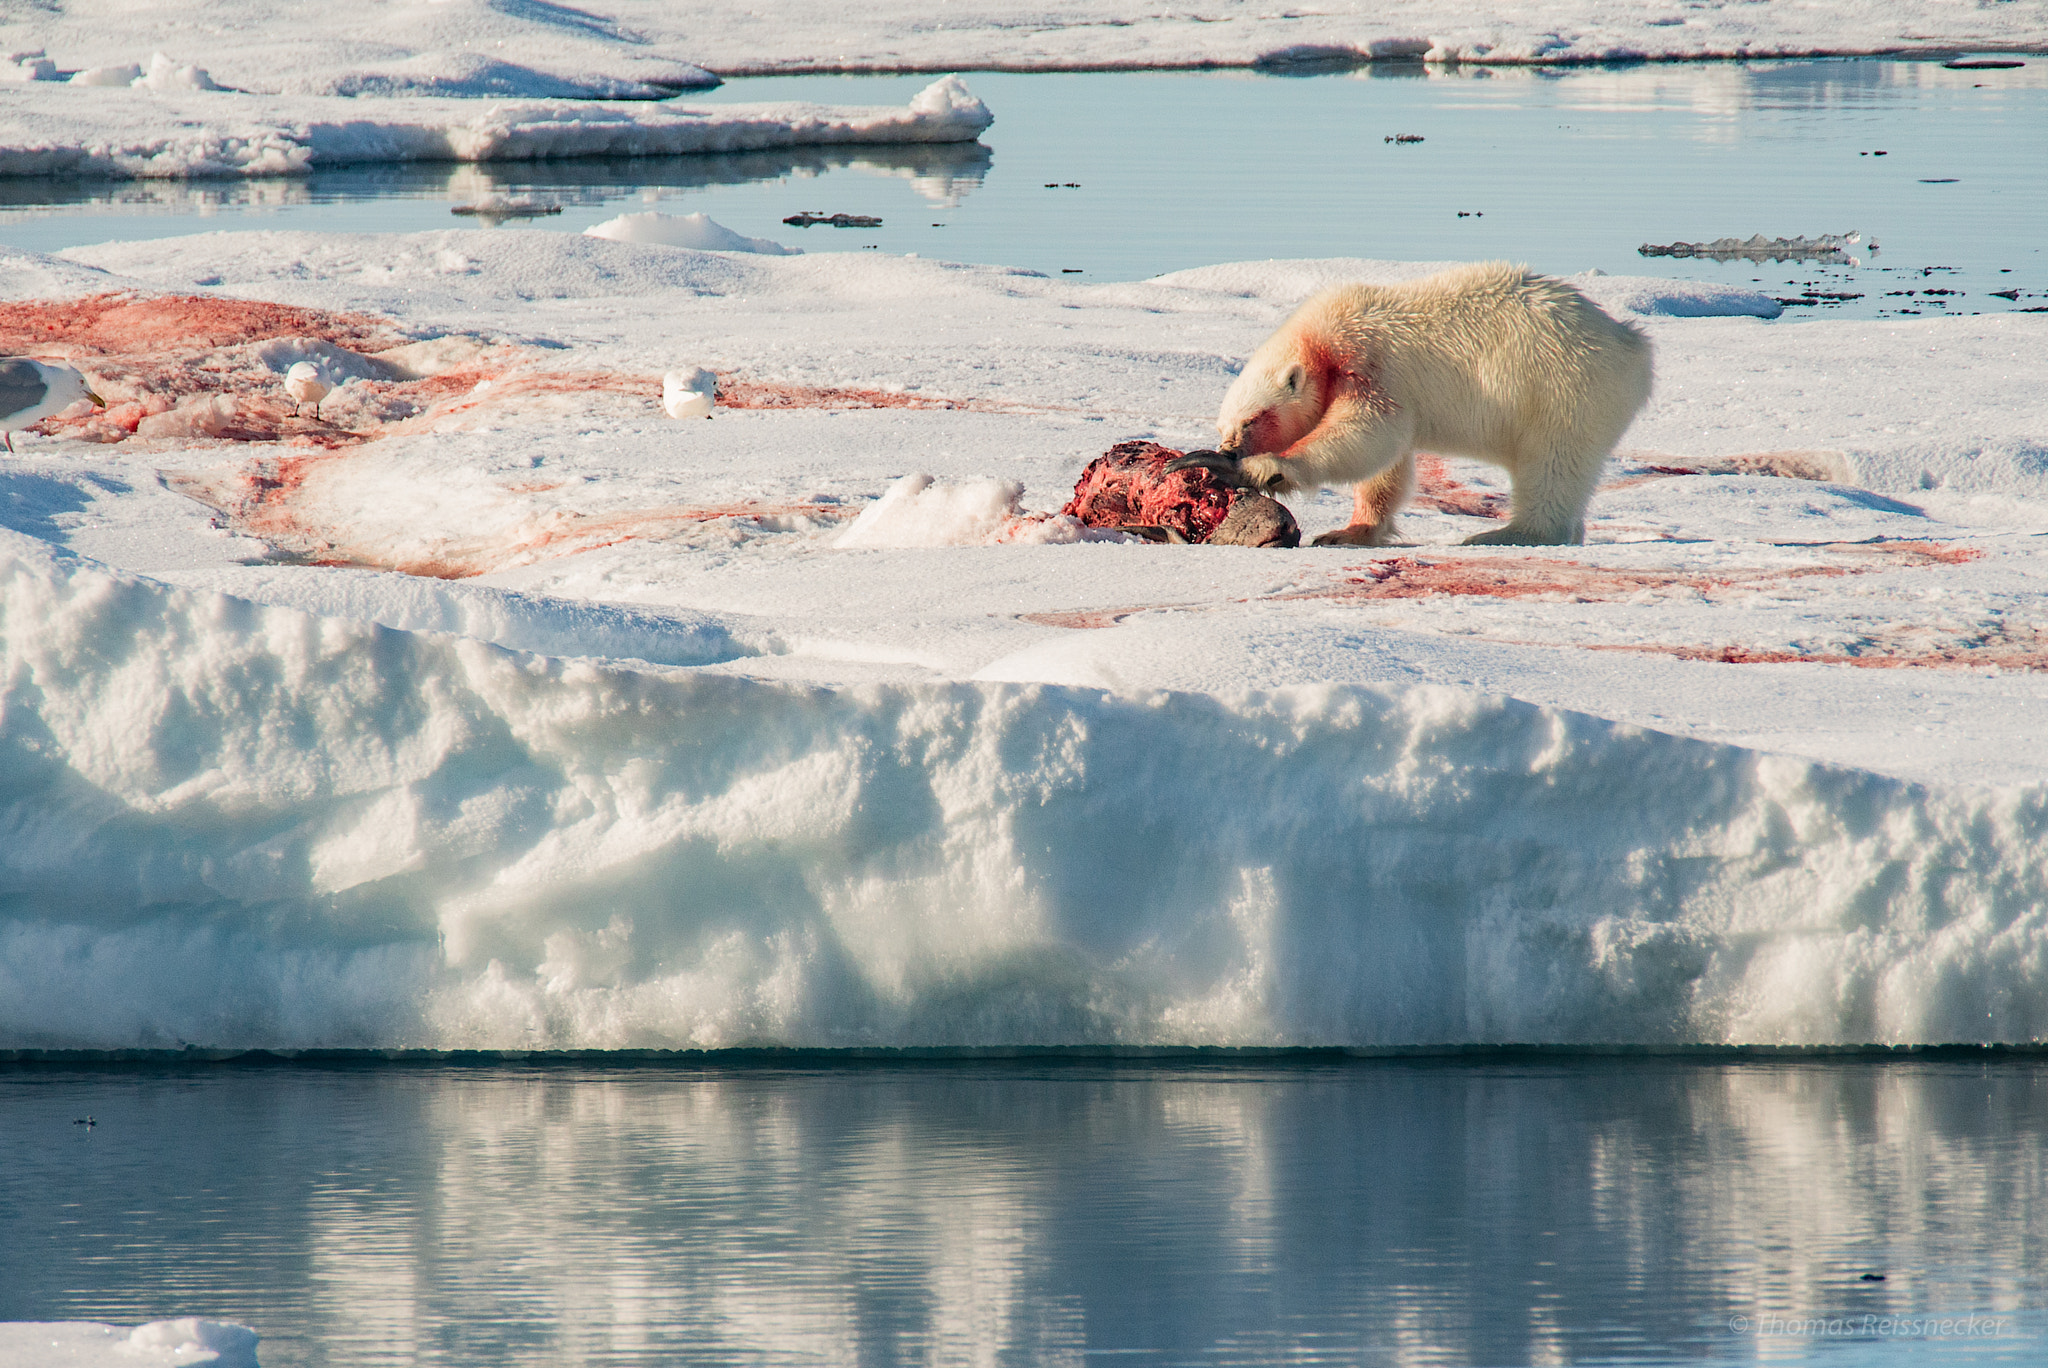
237 825
644 48
185 1342
145 134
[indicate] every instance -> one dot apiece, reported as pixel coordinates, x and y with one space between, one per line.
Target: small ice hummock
188 1342
689 393
918 511
304 383
162 73
699 231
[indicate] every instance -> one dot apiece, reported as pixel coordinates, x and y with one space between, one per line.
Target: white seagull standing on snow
33 390
689 393
303 383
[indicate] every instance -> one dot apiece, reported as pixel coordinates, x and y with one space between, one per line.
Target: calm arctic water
1057 1211
1156 171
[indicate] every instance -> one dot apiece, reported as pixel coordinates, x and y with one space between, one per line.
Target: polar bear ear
1296 377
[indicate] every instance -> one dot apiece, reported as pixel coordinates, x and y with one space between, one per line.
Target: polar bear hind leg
1556 464
1549 497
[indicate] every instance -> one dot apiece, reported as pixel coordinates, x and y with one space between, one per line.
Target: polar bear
1489 360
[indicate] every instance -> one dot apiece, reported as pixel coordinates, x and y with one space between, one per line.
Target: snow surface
188 1342
502 710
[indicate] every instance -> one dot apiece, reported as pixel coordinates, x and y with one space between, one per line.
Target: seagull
33 390
85 1121
688 393
303 383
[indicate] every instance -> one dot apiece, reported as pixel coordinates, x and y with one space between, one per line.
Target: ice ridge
233 824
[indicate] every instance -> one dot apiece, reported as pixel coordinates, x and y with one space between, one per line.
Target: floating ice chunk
123 75
698 231
689 393
949 101
269 136
1757 247
492 208
165 74
190 1342
223 1344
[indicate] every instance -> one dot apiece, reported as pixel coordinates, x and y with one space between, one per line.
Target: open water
1489 1209
1125 175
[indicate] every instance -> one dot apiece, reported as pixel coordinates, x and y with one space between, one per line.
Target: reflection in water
942 173
1345 1212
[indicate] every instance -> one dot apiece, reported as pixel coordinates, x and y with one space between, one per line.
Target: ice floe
173 130
497 708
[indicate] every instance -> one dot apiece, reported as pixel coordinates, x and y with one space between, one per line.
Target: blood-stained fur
1488 360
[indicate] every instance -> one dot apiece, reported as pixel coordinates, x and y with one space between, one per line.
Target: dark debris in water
805 220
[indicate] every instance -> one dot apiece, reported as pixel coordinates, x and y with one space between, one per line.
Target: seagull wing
22 388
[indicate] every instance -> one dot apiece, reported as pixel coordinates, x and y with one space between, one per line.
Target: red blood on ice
1084 619
736 393
1436 489
265 498
2016 647
124 324
1130 486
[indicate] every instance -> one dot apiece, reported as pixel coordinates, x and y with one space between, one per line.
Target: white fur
1487 360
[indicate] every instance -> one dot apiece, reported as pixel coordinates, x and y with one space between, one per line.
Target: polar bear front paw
1359 534
1266 474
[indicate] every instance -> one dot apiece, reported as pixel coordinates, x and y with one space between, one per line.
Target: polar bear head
1275 401
1314 361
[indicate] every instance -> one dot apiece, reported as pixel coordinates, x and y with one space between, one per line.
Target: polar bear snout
1267 430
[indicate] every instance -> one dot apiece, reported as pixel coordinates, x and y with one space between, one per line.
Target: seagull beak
97 402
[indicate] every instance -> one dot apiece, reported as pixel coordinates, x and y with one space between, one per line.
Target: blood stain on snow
1085 619
569 533
1405 577
1436 489
1904 648
263 499
1830 467
1906 552
736 393
123 324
